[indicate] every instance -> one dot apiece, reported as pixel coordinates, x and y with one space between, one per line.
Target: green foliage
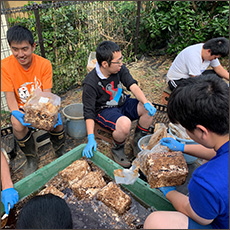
5 118
71 32
182 23
65 39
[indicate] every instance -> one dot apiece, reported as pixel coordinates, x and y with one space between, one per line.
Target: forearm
138 93
181 203
221 71
5 174
90 126
199 151
178 200
224 74
11 101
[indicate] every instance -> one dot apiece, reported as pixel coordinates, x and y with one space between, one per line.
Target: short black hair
105 50
45 212
218 46
204 100
19 34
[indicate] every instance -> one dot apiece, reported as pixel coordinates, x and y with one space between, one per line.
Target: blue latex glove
91 145
59 121
165 190
9 195
152 110
172 144
20 117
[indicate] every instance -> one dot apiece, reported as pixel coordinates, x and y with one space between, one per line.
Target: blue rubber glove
172 144
91 145
165 190
152 110
59 121
9 195
20 117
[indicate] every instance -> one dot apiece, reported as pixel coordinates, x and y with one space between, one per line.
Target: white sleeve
215 62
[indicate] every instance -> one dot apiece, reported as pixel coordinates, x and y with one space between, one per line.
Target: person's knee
151 221
17 126
166 220
141 109
123 125
58 128
142 112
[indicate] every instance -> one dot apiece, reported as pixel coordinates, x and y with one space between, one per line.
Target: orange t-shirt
14 78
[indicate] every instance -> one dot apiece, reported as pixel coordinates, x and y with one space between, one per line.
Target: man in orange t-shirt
21 73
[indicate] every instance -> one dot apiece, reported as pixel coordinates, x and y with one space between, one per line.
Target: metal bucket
75 123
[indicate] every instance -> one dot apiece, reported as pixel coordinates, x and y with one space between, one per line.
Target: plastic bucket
143 141
75 123
189 159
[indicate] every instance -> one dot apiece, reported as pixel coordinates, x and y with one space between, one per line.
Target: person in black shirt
105 102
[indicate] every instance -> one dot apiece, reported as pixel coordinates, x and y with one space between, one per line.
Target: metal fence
67 31
5 52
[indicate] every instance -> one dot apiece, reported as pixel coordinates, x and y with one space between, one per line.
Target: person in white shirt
195 59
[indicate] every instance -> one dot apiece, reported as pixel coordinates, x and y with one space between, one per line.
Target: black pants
174 83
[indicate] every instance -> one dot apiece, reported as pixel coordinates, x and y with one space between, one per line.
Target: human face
192 135
209 57
23 53
116 62
212 57
200 137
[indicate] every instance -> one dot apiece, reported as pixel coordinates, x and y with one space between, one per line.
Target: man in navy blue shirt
202 108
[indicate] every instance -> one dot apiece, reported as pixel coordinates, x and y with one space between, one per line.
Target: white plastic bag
178 131
91 62
162 167
126 176
41 109
129 176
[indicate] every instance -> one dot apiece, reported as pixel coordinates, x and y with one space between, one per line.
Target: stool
99 131
165 96
41 137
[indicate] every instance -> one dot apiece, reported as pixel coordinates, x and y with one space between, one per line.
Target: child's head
18 34
218 46
204 100
45 212
105 50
